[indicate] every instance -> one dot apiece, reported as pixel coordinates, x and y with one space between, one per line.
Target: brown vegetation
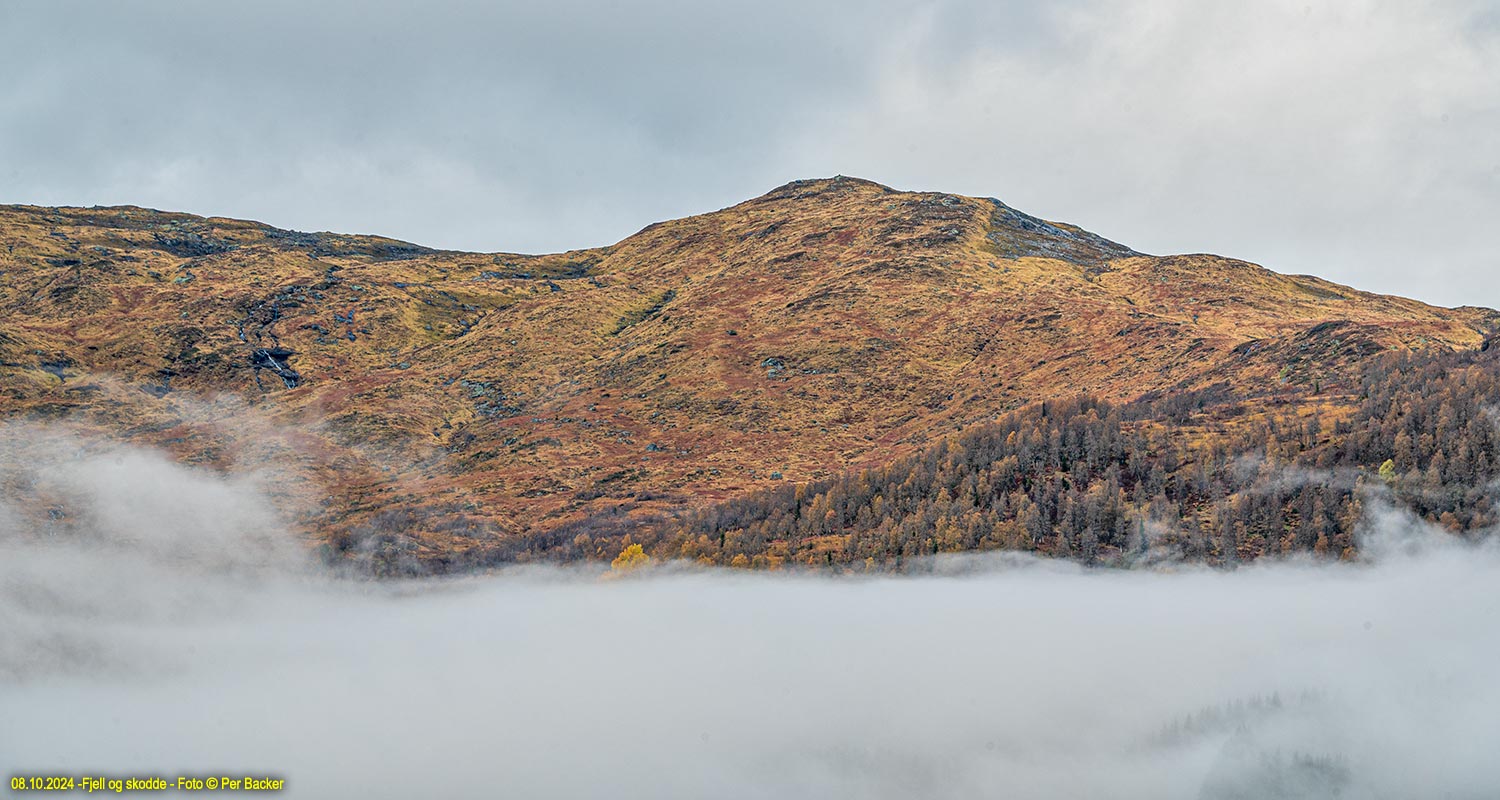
705 381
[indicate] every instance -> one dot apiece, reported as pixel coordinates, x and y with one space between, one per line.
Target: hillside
435 409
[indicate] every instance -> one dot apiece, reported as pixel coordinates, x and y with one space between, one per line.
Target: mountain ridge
828 324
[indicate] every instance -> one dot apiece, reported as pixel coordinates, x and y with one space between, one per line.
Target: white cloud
1352 139
155 639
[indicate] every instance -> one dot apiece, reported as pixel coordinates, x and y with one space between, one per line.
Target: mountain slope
452 407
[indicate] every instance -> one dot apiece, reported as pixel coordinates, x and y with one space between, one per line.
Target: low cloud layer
163 632
1350 139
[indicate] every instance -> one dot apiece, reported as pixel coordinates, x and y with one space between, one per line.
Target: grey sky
1357 140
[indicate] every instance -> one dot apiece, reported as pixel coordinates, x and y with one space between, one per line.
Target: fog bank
155 639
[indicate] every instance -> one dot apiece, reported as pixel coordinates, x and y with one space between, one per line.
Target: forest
1218 475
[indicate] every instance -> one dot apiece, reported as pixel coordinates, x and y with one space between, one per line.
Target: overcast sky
1358 140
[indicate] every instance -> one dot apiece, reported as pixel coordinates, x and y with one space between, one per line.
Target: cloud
1348 139
95 535
164 633
497 126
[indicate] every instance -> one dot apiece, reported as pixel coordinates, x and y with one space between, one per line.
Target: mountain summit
456 408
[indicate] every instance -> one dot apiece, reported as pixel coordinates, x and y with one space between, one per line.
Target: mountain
436 409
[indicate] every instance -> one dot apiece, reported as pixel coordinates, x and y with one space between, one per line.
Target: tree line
1219 475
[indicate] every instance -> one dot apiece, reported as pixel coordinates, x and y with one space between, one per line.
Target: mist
156 620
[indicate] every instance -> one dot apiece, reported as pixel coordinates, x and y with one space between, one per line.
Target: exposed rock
57 367
827 323
192 244
275 360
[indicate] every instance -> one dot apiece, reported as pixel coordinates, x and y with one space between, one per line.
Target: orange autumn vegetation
431 410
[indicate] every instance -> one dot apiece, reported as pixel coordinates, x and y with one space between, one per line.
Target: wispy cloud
164 633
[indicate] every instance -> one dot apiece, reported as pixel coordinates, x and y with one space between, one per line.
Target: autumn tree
632 558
